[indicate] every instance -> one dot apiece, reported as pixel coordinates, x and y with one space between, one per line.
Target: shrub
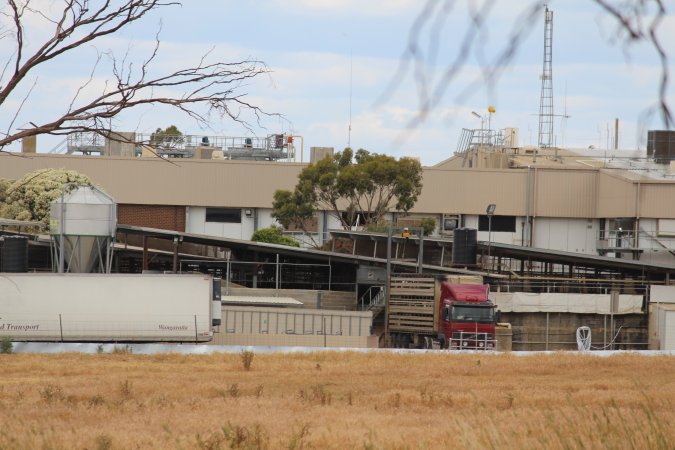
124 350
103 442
6 345
126 389
246 358
428 224
274 235
51 393
233 390
381 226
30 197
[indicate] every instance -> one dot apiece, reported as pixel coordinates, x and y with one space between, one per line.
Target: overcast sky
325 55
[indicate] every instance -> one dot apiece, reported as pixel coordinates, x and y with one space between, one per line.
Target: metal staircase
373 300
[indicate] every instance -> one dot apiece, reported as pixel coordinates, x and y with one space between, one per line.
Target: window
223 215
499 223
450 222
483 314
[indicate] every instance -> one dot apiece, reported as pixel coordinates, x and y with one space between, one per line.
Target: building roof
262 247
530 254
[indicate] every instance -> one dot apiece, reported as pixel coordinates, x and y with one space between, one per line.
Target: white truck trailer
108 307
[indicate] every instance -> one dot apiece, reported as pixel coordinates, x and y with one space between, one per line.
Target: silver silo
83 240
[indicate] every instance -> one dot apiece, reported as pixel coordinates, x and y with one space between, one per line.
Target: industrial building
608 220
613 203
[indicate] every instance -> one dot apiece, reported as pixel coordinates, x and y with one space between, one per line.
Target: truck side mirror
498 316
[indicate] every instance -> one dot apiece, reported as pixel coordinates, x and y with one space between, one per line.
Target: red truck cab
467 316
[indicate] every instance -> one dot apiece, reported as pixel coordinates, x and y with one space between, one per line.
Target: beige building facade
575 205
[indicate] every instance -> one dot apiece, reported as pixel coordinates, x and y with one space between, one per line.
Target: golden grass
336 400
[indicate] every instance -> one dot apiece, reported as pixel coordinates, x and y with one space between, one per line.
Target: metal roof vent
82 241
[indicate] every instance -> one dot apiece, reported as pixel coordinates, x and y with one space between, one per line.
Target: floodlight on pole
482 123
491 110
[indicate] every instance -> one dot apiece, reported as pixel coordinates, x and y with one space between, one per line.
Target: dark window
499 223
481 314
223 215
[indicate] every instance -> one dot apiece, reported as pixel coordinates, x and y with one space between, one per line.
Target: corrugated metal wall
657 200
470 191
564 193
592 193
616 196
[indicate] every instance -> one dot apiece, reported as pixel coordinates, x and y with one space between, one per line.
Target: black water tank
661 145
464 246
15 254
216 304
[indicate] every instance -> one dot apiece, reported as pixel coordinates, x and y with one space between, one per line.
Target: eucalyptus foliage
353 183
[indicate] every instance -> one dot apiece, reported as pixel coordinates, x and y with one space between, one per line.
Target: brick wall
153 216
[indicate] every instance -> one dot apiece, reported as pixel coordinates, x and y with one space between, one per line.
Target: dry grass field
336 400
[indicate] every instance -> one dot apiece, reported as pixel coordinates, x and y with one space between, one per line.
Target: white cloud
349 7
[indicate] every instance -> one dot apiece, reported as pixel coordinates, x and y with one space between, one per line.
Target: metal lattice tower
546 99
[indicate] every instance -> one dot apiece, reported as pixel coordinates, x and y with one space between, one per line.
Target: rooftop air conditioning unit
450 222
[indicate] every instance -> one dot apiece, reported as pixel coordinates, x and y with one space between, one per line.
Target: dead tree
205 88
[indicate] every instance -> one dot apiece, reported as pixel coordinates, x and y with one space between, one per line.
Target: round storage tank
15 254
464 246
85 219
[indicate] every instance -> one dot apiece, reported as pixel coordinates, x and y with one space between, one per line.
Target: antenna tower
546 99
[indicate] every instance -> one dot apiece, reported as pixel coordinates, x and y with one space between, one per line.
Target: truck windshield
473 314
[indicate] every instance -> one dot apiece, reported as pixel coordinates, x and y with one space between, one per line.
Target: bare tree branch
636 20
630 17
18 110
207 86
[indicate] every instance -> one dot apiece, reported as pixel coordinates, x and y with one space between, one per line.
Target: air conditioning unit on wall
450 222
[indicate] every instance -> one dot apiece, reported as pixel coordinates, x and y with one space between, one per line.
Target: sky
332 65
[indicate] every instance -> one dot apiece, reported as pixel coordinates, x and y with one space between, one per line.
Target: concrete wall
662 317
334 300
557 331
196 223
288 340
667 329
120 144
250 325
570 235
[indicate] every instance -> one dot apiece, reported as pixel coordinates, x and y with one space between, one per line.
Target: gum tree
348 184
